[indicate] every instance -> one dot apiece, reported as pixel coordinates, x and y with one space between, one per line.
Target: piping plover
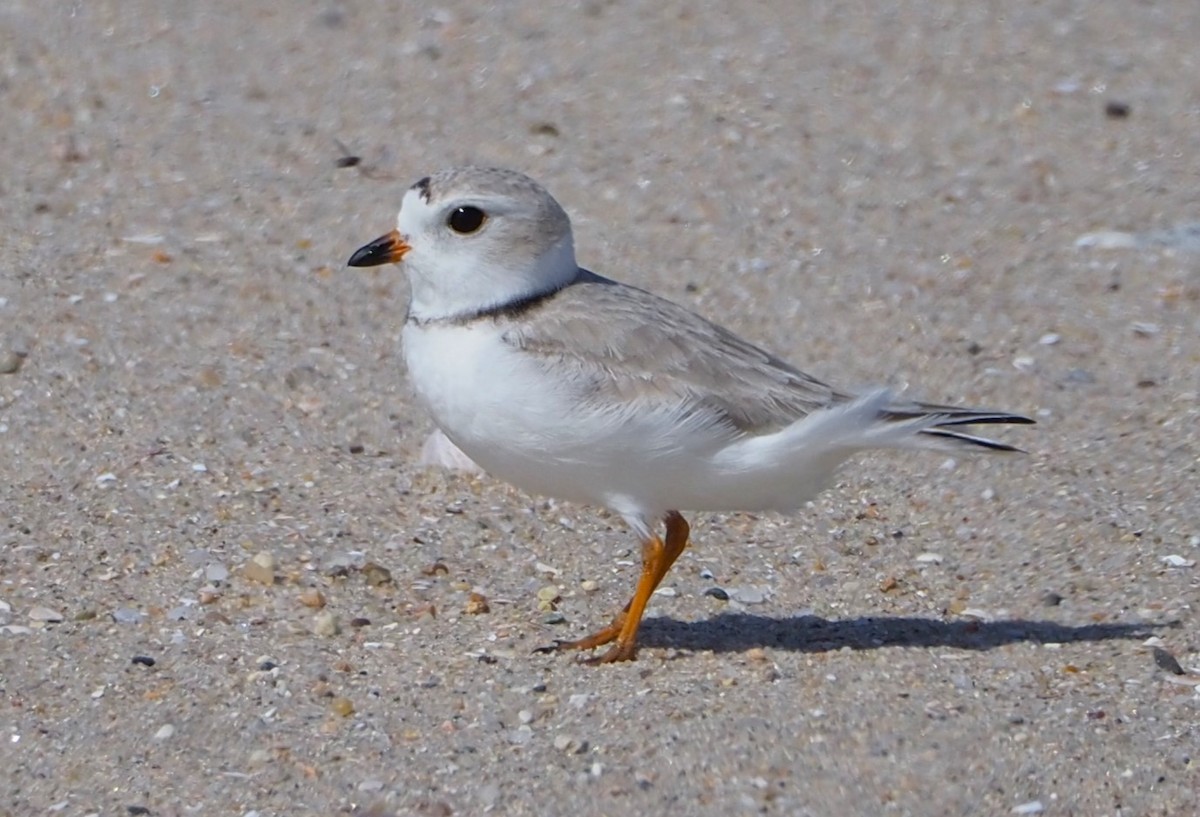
575 386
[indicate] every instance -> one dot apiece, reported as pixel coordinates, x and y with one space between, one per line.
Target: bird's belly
525 425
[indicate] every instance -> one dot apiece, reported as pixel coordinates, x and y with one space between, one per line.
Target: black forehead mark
423 186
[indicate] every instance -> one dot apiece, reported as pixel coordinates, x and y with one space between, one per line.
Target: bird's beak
387 249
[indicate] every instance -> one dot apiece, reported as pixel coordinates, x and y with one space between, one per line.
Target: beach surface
229 587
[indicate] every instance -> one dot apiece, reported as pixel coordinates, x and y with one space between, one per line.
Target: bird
571 385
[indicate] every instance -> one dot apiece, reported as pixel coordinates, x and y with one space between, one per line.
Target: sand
227 586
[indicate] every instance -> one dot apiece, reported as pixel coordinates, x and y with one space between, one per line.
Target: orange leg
657 558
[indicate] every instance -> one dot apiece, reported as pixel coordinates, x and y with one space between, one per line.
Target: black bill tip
387 249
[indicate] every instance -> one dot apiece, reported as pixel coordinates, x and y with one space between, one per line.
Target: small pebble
1049 339
589 586
1079 377
164 732
930 558
312 597
1032 807
554 618
45 614
1051 600
570 744
10 362
127 615
1109 240
977 613
339 566
144 660
260 569
376 574
1164 660
259 757
717 593
216 573
1175 560
342 707
748 595
477 604
1116 109
325 624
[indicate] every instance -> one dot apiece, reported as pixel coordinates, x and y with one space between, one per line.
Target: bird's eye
466 220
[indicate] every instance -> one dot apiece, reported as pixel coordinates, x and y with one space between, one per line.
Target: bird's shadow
737 632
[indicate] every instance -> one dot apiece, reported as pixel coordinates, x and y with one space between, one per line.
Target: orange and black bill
387 249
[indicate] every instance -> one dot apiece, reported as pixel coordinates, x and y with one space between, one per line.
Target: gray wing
619 344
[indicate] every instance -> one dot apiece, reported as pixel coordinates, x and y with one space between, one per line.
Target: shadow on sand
737 632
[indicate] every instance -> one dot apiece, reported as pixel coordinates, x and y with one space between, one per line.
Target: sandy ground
206 432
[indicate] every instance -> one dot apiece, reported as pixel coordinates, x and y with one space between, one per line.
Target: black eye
466 220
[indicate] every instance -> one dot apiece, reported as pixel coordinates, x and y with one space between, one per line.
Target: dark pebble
717 593
1166 661
348 161
135 810
144 660
1051 600
267 666
1114 109
360 622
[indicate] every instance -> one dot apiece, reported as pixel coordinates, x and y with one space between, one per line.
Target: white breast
500 408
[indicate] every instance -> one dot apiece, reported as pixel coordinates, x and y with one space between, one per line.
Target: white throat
460 284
